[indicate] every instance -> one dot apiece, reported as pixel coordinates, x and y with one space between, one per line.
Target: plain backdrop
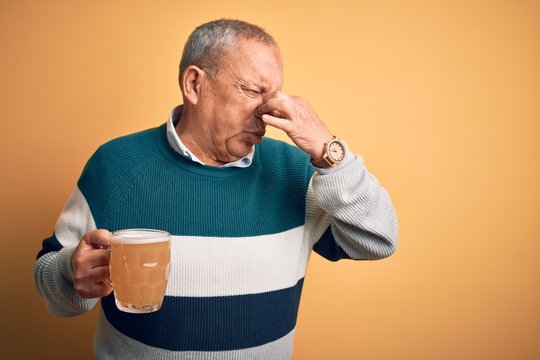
441 98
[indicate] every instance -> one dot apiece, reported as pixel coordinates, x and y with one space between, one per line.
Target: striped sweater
241 241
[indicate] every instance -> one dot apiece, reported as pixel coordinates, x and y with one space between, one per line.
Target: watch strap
322 162
326 161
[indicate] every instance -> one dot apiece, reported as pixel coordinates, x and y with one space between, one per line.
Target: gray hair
208 43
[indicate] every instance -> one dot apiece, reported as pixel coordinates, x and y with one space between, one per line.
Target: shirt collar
179 147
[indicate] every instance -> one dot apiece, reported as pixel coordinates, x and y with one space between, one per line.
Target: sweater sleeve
353 212
53 276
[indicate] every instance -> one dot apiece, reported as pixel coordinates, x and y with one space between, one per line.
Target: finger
97 274
93 283
86 279
98 239
84 262
98 257
277 107
275 95
100 289
276 122
102 285
92 275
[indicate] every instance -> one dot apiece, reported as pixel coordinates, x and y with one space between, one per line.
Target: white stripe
221 266
75 220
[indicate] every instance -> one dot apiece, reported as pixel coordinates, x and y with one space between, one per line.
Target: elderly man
244 211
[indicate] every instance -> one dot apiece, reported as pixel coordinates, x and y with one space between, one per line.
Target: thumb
97 239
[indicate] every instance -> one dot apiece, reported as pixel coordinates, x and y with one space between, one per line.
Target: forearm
362 217
53 280
53 270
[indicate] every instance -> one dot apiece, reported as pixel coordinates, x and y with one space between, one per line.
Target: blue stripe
50 244
328 248
211 323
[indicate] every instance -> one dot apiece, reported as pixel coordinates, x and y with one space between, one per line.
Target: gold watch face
336 151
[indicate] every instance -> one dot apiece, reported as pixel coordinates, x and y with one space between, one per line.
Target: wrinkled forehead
255 62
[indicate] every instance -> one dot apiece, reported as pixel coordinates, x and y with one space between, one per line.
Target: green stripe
138 181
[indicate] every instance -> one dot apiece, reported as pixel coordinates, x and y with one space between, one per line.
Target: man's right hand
90 263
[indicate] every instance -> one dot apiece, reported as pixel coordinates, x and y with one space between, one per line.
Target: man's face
249 71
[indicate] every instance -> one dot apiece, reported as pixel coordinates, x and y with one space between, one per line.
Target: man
245 211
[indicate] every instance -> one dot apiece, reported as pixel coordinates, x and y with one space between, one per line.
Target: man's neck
197 140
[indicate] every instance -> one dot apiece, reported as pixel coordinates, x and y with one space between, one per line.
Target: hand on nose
295 116
259 112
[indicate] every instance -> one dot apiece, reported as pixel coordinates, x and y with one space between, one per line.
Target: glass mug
139 266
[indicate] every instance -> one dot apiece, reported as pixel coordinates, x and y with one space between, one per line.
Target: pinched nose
259 124
257 112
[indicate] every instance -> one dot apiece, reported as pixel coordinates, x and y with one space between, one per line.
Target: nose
257 112
257 116
259 123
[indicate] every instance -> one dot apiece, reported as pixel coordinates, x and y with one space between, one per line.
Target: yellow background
442 98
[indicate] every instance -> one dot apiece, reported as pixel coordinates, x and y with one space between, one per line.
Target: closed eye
252 92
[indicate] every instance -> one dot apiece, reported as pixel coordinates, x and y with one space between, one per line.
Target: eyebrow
250 85
260 88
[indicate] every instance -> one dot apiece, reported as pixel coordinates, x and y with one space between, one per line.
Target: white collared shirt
179 147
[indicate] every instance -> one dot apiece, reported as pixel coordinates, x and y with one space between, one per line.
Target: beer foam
140 236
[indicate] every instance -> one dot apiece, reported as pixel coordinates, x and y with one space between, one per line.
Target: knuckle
104 236
78 279
80 289
102 233
77 263
288 107
281 95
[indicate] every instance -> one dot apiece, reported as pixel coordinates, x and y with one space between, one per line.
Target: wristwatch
333 153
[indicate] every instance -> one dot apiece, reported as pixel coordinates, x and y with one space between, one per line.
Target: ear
191 83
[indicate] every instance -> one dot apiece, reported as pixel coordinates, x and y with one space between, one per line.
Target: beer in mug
139 266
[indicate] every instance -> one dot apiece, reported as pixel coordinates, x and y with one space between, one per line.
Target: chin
242 150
